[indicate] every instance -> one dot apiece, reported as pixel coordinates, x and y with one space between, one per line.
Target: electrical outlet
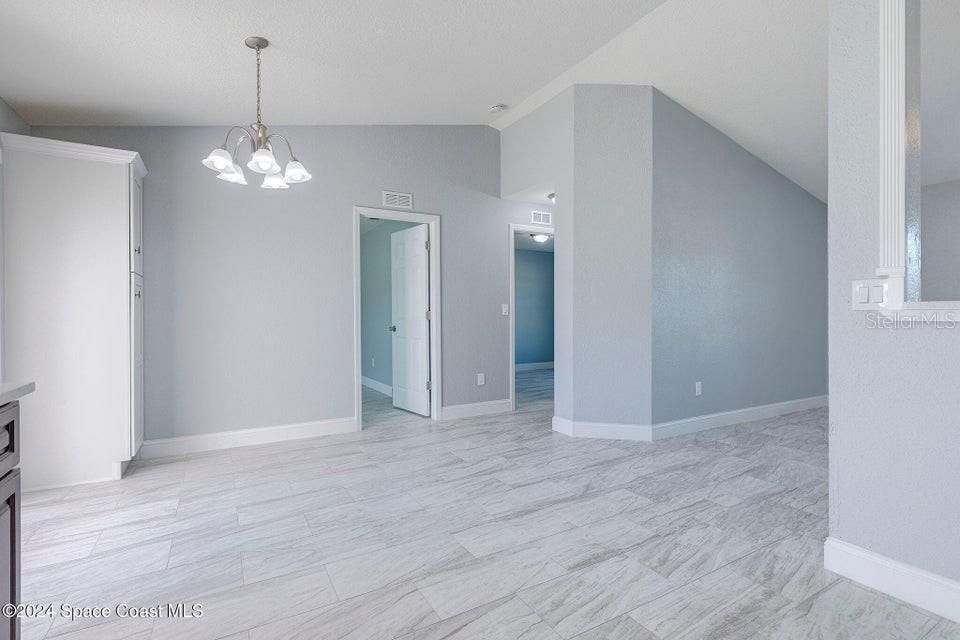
481 380
698 388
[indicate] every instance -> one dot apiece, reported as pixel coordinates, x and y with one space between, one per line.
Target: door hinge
426 245
428 315
429 385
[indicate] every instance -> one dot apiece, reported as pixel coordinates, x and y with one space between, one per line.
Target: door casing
436 373
512 229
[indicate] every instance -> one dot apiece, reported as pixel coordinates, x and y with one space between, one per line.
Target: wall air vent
541 217
397 200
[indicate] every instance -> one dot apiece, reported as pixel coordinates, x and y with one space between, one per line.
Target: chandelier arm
236 147
226 138
289 148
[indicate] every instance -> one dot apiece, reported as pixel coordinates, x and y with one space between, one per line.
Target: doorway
397 310
532 286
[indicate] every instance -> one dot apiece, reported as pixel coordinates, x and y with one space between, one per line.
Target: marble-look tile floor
489 528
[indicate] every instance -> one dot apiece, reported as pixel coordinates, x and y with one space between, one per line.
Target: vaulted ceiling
183 62
755 69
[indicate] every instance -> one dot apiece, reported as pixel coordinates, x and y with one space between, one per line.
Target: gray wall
10 120
740 275
668 236
940 233
248 292
376 302
612 284
535 151
894 435
535 147
533 272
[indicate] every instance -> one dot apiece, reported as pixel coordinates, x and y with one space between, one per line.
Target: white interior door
410 303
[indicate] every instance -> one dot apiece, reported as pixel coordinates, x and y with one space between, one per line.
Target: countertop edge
10 391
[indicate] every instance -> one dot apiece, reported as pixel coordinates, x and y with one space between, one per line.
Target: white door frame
436 378
511 244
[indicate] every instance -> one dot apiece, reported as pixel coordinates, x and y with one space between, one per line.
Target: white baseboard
163 447
533 366
28 487
376 386
603 430
457 411
661 430
918 587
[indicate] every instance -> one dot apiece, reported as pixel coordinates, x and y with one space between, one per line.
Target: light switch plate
869 295
505 309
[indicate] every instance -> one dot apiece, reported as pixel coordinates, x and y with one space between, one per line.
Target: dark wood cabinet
9 517
10 551
9 437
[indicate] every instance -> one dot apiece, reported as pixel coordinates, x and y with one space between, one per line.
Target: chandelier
262 159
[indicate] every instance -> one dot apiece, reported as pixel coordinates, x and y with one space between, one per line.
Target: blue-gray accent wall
739 275
533 274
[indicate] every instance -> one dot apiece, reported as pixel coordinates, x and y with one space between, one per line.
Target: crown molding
46 146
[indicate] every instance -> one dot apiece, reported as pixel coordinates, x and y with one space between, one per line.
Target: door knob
392 327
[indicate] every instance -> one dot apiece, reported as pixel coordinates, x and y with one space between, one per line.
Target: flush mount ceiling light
262 159
539 237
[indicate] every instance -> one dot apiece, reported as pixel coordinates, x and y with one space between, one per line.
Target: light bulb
262 161
295 173
539 237
218 160
274 181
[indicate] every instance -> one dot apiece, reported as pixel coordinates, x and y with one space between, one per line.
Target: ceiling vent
541 217
397 200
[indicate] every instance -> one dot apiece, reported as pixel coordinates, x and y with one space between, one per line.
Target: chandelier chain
258 86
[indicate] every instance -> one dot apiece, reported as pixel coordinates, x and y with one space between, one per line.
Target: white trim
47 146
46 487
602 430
891 215
436 372
916 586
163 447
893 123
662 430
533 366
473 409
376 385
511 247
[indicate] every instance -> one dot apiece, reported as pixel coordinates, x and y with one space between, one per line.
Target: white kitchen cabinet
136 361
73 305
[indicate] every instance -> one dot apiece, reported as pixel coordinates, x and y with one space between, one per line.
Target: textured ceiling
178 62
755 69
